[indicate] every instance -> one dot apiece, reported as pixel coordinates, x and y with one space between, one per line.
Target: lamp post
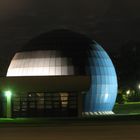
138 95
139 86
128 92
8 95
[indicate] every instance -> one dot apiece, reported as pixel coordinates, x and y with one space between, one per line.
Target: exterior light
8 93
128 92
139 86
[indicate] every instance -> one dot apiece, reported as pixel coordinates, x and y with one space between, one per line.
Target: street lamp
8 95
139 86
128 92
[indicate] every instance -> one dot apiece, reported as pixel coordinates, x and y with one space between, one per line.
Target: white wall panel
39 63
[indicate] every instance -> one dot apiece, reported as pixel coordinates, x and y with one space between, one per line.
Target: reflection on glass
64 99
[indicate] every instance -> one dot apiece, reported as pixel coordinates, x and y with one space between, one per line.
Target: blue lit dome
103 90
63 52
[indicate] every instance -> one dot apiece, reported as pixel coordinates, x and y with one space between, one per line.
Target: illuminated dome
40 63
102 94
66 53
59 52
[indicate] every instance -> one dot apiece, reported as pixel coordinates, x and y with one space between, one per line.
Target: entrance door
19 105
52 105
61 104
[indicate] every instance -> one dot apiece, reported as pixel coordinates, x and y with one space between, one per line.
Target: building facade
59 74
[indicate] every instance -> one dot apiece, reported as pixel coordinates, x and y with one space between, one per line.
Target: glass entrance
45 104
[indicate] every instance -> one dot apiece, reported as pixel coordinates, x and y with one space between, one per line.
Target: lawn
124 112
127 108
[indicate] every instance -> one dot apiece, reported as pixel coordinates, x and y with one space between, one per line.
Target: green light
8 93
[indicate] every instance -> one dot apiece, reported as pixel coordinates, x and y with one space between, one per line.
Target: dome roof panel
58 39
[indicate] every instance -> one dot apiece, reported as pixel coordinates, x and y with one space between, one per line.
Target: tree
121 99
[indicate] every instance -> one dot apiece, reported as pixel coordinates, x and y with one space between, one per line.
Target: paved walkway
97 131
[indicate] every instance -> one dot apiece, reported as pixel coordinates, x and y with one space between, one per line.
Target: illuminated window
64 99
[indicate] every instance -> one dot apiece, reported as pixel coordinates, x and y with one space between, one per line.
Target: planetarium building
59 74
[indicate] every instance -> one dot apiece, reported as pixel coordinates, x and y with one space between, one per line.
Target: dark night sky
109 22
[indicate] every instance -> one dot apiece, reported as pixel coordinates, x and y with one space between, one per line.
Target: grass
127 108
68 121
126 112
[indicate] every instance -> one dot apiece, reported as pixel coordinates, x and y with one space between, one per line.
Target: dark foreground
120 130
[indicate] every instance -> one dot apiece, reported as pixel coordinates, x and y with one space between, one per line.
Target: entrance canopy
45 83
